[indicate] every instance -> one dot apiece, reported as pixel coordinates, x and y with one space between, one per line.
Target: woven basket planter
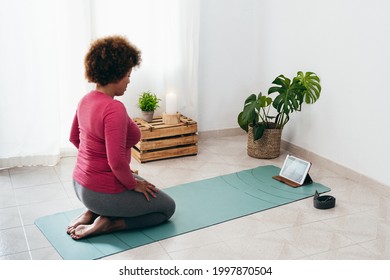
267 147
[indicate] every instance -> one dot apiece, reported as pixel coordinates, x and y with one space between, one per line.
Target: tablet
295 169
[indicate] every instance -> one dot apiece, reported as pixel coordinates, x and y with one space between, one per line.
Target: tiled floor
357 228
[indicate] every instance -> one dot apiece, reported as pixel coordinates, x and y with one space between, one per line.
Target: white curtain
43 43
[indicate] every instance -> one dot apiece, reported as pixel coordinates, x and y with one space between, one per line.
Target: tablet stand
307 181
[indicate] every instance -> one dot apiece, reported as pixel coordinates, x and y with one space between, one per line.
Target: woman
103 133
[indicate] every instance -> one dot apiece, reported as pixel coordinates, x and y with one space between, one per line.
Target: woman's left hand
146 188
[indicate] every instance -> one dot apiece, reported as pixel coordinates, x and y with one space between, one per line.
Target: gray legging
130 205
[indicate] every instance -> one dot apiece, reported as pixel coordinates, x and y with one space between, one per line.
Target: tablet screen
295 169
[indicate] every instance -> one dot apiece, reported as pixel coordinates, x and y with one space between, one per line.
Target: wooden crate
162 141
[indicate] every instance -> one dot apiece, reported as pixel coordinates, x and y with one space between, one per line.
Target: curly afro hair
109 59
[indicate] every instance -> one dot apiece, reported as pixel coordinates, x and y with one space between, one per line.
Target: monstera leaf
254 114
305 87
312 84
290 95
248 114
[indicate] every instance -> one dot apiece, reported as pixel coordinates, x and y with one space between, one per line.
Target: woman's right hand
146 188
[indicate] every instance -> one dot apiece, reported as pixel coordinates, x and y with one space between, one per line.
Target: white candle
171 104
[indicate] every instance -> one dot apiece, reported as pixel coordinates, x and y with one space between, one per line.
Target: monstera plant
288 97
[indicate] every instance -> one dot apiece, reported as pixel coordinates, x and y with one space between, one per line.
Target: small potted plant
265 130
148 103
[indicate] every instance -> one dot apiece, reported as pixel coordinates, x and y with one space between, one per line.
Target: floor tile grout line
25 234
20 218
19 214
36 185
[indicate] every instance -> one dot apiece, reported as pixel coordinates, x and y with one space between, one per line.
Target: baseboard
331 165
68 152
221 133
36 160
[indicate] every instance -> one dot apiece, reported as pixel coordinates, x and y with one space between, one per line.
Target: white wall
227 61
248 43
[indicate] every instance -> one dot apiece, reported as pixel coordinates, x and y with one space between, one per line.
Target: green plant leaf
258 131
282 81
249 112
148 101
254 111
290 95
241 122
273 89
250 99
264 101
312 84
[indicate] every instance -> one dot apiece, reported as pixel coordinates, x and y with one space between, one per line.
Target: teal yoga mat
198 205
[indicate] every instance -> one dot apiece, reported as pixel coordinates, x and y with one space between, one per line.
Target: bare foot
100 225
84 219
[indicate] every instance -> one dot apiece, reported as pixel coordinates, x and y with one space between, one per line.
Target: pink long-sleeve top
103 133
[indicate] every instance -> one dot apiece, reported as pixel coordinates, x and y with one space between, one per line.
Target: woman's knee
171 208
